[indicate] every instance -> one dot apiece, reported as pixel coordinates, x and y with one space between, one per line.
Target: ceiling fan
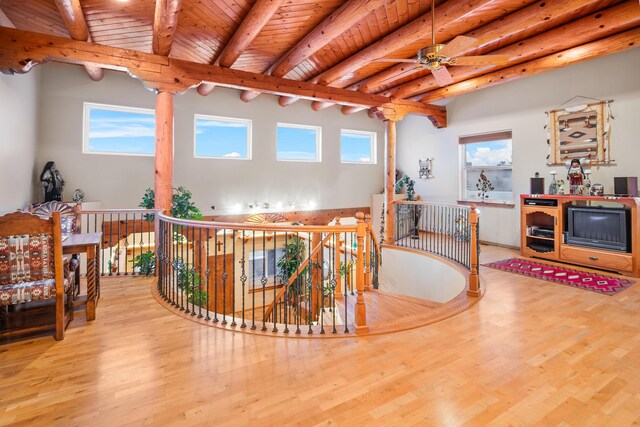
436 56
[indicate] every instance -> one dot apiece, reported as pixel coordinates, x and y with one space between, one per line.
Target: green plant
405 180
146 263
190 282
292 257
181 204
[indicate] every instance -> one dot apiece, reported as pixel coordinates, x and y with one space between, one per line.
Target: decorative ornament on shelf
484 185
426 168
78 196
560 187
553 187
597 190
576 176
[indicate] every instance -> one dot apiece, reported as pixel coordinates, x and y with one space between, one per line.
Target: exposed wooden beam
331 27
20 50
454 17
618 43
398 109
165 22
74 21
320 105
248 95
540 16
5 21
347 110
285 101
260 13
593 27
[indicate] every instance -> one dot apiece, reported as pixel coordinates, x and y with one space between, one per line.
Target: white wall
520 106
119 181
18 126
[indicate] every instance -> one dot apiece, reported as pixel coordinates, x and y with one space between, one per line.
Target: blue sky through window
121 132
492 153
223 138
295 143
356 147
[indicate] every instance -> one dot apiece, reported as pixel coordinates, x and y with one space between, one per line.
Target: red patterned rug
607 285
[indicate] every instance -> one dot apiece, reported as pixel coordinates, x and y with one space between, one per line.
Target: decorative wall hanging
426 168
581 131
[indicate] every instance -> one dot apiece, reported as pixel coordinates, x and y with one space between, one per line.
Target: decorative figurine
597 190
553 187
560 187
52 182
78 195
575 176
587 182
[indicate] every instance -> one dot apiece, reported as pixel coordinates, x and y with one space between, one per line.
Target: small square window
299 143
110 129
222 138
357 146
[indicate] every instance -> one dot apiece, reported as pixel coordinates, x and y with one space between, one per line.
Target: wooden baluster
360 308
367 255
474 280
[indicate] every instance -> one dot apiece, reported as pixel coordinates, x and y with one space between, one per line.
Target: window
118 130
357 146
486 167
299 143
222 138
261 266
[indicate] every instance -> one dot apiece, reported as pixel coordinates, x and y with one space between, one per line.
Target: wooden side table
88 243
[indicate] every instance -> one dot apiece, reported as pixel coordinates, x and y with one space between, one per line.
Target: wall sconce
426 168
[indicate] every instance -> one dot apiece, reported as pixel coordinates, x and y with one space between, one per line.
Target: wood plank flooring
530 353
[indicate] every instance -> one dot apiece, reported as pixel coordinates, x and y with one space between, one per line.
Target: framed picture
580 132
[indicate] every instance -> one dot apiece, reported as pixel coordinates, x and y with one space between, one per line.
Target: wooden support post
390 183
164 151
360 309
367 254
474 280
316 277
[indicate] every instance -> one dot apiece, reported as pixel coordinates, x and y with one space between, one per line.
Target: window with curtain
486 172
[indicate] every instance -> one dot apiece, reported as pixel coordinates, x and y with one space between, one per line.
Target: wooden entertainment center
544 225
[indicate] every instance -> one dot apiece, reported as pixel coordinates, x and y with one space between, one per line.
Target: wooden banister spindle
474 280
361 309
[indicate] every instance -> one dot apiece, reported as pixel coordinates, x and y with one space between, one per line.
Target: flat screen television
598 227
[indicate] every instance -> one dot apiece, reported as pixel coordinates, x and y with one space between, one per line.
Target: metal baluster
224 276
296 290
253 280
321 290
233 278
200 275
243 278
192 269
346 285
263 280
336 242
215 276
208 278
285 296
309 286
274 313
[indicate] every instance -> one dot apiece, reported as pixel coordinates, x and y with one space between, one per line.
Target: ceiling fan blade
442 76
480 60
457 46
414 61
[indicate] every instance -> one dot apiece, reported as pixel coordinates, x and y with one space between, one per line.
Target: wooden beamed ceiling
322 50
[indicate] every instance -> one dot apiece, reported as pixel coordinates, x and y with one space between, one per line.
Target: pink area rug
607 285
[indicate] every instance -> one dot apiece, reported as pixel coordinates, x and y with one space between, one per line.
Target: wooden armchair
32 278
70 223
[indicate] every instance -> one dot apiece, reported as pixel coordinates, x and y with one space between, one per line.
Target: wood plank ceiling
335 43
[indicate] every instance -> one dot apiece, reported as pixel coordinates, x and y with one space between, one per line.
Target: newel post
367 259
361 309
474 279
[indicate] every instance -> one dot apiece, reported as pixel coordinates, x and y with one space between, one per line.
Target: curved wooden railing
237 274
447 230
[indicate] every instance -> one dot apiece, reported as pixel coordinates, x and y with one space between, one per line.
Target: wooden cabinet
543 222
539 232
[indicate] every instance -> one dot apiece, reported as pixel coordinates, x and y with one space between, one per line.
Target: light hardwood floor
531 352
